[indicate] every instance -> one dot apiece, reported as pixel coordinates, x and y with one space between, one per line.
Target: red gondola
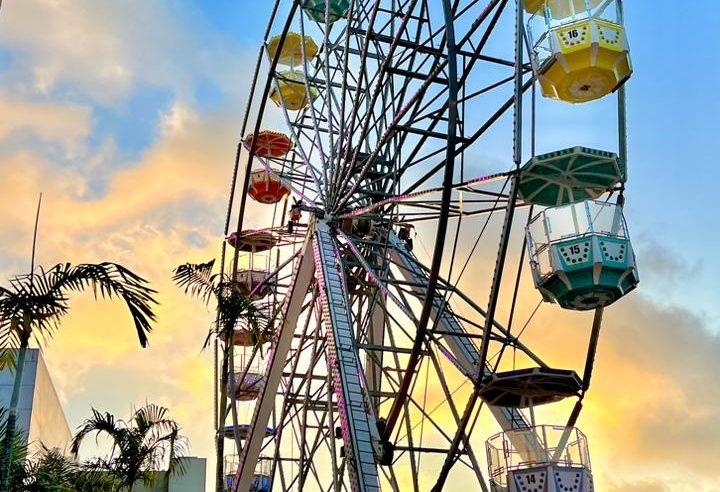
269 144
265 187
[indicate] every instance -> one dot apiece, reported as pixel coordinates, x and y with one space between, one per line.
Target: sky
125 115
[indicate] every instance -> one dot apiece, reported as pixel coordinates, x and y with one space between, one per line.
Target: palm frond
197 279
32 296
107 280
51 470
96 475
5 292
9 341
178 449
152 420
19 451
99 423
42 297
233 306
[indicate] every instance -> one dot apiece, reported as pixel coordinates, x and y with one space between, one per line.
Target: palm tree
17 453
232 307
51 470
35 303
140 446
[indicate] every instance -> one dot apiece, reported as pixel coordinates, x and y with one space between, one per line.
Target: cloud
103 49
62 122
151 214
181 180
644 486
693 484
661 269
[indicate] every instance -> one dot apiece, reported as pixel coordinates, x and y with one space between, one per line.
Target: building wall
193 480
40 411
7 379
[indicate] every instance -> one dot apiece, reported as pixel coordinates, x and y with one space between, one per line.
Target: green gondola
569 176
581 255
315 9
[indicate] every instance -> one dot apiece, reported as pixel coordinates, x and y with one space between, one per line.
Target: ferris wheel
367 201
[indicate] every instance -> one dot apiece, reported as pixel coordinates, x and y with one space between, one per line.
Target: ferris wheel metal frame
346 283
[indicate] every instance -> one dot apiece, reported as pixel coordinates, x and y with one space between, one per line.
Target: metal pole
622 128
5 465
502 252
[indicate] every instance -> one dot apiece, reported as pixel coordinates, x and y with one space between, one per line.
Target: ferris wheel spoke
371 274
425 134
415 274
407 421
439 66
312 173
461 346
413 199
344 89
291 393
305 460
456 416
349 125
324 158
308 461
307 416
373 99
410 448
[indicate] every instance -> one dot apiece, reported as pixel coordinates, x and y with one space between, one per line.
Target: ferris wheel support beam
359 428
376 335
266 399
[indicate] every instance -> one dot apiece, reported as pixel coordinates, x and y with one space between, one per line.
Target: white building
40 411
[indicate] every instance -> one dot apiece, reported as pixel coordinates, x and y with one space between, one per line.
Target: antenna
35 232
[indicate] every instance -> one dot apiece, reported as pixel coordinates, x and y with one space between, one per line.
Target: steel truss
365 327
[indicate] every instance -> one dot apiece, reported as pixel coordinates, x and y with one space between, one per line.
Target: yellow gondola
562 9
580 52
292 49
291 92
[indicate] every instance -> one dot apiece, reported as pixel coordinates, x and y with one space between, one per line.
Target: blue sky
672 121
